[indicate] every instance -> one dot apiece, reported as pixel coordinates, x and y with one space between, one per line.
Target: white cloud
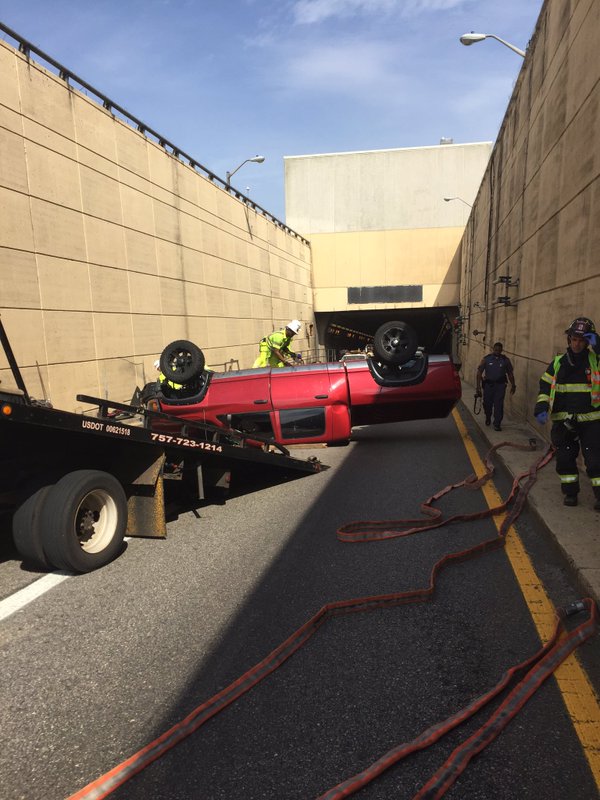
349 67
310 11
307 12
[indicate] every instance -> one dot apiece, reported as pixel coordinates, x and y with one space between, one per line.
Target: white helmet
294 325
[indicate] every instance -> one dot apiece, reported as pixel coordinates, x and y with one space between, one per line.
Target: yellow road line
575 687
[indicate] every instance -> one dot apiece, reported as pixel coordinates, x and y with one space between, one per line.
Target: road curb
574 532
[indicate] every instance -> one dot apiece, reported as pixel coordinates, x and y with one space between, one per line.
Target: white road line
23 597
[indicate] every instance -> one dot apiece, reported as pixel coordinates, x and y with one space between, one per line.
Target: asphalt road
103 663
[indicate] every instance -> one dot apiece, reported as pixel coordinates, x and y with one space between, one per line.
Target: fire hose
522 680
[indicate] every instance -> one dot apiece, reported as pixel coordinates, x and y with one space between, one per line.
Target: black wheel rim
395 341
180 361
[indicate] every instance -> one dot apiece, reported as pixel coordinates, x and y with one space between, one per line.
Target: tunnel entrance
353 330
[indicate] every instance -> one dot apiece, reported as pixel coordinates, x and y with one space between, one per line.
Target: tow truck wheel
85 517
395 343
27 529
182 361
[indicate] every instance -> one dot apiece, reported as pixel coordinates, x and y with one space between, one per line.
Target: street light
256 160
470 38
447 199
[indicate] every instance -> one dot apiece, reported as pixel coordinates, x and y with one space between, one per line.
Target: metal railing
70 78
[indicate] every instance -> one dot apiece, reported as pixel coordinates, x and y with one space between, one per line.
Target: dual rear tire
78 524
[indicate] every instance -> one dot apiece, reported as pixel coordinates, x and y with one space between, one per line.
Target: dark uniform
495 369
570 391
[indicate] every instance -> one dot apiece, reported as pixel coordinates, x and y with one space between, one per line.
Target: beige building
112 245
382 235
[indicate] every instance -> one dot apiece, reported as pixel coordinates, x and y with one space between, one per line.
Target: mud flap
146 503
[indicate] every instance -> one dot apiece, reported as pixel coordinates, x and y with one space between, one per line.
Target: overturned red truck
313 403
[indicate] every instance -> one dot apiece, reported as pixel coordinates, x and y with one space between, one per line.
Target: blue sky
228 79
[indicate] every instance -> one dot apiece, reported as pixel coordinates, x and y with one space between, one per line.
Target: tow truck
73 485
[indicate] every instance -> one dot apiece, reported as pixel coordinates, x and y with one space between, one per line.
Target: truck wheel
85 520
395 343
27 529
182 361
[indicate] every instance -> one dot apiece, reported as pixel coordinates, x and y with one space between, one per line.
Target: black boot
570 500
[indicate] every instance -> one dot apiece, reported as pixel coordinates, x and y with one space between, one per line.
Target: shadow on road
367 682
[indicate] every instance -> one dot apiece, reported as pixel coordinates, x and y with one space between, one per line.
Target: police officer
570 393
275 349
494 371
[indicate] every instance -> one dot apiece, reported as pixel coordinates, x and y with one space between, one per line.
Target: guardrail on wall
70 78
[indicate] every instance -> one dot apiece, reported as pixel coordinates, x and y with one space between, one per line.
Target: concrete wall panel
13 166
70 336
140 252
137 210
109 289
100 195
105 243
95 135
45 105
19 279
72 292
132 152
113 336
16 230
9 85
57 231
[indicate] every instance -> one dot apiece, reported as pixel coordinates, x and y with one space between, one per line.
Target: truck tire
27 524
395 342
182 361
85 517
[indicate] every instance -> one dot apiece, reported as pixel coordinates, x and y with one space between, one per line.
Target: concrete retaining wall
111 247
536 217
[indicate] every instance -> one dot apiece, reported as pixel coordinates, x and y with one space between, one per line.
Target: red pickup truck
312 403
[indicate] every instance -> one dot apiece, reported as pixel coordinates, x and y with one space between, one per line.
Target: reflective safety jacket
570 388
278 340
162 379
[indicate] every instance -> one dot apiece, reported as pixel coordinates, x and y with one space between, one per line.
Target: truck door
243 400
310 404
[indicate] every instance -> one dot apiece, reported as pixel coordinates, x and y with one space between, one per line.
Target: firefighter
494 371
163 382
275 349
570 395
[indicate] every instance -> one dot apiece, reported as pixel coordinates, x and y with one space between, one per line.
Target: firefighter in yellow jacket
275 348
570 395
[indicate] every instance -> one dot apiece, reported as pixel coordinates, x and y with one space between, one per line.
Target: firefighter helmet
580 326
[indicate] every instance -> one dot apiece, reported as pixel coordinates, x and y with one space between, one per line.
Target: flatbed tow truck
75 484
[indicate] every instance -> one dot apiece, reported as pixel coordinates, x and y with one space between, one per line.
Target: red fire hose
522 680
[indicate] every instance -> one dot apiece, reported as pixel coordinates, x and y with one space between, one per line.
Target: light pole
470 38
255 159
448 199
